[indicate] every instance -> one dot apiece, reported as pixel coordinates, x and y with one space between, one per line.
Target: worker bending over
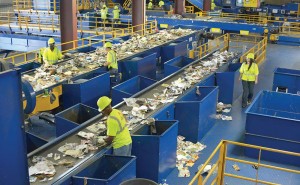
51 54
150 5
117 132
249 76
161 3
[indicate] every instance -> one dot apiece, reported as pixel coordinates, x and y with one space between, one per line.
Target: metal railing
142 29
221 154
290 28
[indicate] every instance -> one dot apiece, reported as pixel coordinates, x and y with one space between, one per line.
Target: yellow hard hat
51 41
250 55
107 45
103 102
116 7
104 6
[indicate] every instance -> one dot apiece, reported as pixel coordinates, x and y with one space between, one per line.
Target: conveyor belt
62 172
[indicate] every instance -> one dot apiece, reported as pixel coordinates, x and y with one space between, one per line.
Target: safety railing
290 28
86 24
142 29
220 43
189 9
220 157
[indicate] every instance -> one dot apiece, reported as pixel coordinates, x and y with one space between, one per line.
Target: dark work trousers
247 91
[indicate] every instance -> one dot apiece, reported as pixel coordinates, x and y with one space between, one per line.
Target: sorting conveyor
64 174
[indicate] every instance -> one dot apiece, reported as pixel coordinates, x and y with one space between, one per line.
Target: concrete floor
277 56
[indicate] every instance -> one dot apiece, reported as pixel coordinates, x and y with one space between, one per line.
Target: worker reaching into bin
249 75
51 54
117 132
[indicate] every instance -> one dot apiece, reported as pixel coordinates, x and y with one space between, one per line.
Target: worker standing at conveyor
116 13
104 12
249 75
117 132
51 54
111 60
150 5
161 3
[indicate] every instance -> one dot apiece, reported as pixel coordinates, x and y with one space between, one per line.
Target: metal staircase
127 4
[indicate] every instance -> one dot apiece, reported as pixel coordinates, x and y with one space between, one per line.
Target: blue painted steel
159 13
273 143
143 64
275 115
197 3
208 81
288 40
29 66
176 64
72 117
288 78
166 113
199 110
230 87
33 142
156 154
12 135
107 170
174 49
129 88
86 89
30 96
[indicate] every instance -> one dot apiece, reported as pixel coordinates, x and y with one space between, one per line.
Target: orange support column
68 23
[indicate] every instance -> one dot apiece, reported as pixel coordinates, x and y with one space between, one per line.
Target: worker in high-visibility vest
249 76
116 13
40 57
161 3
150 5
111 60
104 12
117 132
51 54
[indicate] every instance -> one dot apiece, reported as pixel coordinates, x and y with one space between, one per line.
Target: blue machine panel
86 89
176 64
174 49
230 87
129 88
273 143
72 117
275 115
143 64
287 78
29 66
33 142
107 170
200 110
156 153
166 113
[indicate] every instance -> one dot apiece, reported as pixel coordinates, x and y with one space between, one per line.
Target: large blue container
34 142
230 87
107 170
166 113
172 50
196 113
29 66
86 89
287 78
275 115
156 154
72 117
143 64
275 143
176 64
129 88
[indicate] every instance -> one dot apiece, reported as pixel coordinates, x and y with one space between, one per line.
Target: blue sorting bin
176 64
34 142
107 170
288 79
172 50
210 80
86 89
129 88
275 115
166 113
29 66
275 143
195 113
143 64
230 87
72 117
156 154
